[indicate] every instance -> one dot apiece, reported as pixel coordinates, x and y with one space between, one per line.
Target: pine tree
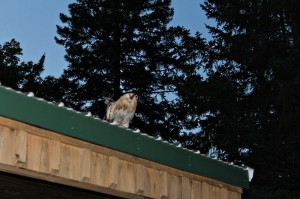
118 46
248 107
24 76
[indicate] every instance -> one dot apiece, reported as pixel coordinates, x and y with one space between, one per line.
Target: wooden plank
140 179
175 187
70 162
205 191
164 185
196 190
224 193
100 167
126 178
113 172
186 188
234 195
152 185
7 146
85 162
215 192
21 147
54 156
38 153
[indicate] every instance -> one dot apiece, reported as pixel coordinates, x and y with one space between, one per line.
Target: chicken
121 111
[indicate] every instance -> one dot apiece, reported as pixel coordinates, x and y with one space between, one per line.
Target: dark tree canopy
16 74
118 46
248 108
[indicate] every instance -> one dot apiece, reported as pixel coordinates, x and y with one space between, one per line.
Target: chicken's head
131 96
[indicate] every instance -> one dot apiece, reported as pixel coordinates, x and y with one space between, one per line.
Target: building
50 151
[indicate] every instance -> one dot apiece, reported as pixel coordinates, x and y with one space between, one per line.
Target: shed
54 151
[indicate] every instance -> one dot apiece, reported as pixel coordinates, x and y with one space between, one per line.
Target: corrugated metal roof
55 117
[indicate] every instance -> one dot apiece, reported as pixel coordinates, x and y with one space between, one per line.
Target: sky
33 24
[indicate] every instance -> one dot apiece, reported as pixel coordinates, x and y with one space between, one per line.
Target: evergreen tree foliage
118 46
24 76
248 107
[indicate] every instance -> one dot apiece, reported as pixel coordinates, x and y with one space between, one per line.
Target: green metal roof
47 115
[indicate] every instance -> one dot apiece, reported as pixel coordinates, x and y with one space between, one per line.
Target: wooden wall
38 153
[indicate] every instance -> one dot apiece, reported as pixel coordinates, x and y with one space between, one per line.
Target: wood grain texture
21 147
140 178
70 162
38 153
100 166
205 192
126 178
7 146
46 155
224 193
109 152
152 187
196 190
54 156
186 188
85 162
175 187
164 184
113 172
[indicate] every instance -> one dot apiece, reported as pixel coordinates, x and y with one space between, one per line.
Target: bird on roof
122 111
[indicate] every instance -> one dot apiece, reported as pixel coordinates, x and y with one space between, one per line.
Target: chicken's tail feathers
109 116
